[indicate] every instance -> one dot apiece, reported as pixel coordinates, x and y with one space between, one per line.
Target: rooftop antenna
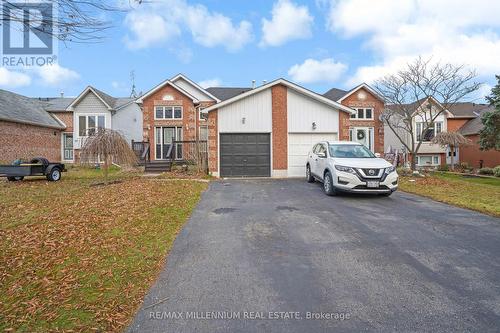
133 93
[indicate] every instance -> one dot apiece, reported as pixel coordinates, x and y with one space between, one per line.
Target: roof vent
264 82
253 84
62 94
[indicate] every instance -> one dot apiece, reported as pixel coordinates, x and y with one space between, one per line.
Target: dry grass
480 194
80 258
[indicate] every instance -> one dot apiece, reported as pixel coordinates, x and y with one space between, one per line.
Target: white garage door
299 146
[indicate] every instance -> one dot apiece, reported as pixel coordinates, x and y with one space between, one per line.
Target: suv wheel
309 177
328 185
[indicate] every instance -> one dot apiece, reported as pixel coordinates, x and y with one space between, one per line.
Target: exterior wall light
314 125
243 120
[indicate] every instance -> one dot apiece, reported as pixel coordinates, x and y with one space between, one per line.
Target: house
172 111
269 130
364 125
57 127
260 131
27 129
471 154
463 117
94 109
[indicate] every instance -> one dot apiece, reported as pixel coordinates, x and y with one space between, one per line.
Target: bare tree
418 94
452 140
70 21
108 146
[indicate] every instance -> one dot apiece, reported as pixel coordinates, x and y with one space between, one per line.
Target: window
168 112
428 160
203 115
429 133
87 125
203 133
362 113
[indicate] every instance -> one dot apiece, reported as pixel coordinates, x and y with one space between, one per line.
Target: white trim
62 146
161 140
432 158
173 112
161 85
87 115
288 84
199 114
196 85
362 85
83 94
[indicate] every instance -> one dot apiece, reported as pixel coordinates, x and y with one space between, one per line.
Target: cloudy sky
319 44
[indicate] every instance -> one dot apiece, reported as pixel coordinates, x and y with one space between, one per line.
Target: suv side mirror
377 155
322 154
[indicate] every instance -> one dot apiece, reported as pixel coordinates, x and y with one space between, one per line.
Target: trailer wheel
54 175
15 179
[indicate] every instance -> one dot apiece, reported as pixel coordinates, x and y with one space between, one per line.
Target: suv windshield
350 151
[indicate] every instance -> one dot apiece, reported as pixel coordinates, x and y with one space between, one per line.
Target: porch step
158 166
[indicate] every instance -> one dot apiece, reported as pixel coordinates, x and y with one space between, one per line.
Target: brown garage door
245 155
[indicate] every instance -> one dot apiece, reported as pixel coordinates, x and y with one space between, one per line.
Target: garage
299 145
245 155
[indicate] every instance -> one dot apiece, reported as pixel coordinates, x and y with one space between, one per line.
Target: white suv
350 166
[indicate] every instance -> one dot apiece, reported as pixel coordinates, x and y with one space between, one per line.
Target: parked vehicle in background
350 167
38 166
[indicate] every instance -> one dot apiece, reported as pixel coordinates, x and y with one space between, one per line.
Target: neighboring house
56 127
471 154
27 129
453 119
94 109
363 126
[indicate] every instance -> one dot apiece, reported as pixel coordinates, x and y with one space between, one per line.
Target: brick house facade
24 141
186 128
362 98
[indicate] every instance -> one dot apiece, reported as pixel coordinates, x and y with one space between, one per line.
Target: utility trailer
38 166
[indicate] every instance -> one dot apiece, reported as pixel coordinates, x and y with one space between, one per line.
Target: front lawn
481 194
76 257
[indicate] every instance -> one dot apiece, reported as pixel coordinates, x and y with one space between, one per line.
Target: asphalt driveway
318 264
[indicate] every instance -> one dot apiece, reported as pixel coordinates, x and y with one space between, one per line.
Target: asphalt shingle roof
22 109
224 93
335 94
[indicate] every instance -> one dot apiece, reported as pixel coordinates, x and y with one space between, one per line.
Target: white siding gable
128 121
194 91
303 111
90 104
256 109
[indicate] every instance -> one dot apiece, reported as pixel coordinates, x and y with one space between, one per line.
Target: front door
363 135
67 146
164 137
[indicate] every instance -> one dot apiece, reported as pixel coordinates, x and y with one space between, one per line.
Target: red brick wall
189 118
453 125
66 118
280 127
472 154
27 141
370 101
213 142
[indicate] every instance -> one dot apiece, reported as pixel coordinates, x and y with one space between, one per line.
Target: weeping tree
108 146
453 140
